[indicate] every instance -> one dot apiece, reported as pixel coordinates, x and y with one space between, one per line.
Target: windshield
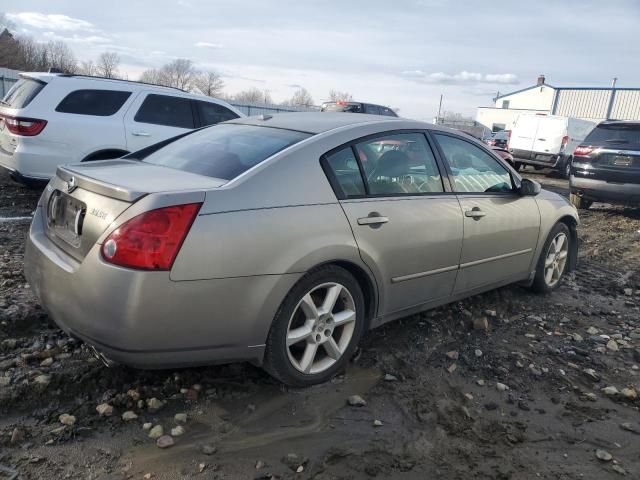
224 151
22 93
604 134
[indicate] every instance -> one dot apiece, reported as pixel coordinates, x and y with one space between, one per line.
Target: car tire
316 329
554 259
579 202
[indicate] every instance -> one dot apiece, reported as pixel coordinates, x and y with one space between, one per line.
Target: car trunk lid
83 200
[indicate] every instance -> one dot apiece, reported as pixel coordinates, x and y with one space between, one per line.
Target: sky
400 53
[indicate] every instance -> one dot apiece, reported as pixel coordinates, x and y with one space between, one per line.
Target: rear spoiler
75 179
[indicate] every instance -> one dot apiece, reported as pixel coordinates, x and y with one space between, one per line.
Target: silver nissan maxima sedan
281 239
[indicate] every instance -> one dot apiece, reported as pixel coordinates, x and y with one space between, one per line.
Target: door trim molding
497 257
413 276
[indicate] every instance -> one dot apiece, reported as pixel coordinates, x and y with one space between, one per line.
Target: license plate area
65 217
622 161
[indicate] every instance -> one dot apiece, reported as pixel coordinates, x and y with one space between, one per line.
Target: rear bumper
536 158
146 320
34 162
601 190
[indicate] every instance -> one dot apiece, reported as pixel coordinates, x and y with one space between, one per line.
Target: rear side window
211 113
344 169
614 134
372 109
387 111
342 107
100 103
166 110
21 94
224 151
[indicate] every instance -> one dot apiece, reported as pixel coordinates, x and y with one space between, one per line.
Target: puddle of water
280 418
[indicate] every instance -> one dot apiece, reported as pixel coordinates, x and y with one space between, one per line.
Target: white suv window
101 103
166 110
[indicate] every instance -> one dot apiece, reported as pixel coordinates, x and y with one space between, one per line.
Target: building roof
564 88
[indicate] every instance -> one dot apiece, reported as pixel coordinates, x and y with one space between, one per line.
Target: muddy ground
523 399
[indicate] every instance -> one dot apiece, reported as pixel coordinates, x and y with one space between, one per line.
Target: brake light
27 127
152 240
583 151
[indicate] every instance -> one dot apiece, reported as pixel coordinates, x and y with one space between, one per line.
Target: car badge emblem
71 185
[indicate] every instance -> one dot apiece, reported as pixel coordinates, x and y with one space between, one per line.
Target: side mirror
529 188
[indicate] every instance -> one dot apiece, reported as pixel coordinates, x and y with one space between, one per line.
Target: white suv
50 119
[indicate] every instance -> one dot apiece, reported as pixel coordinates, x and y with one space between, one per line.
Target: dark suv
606 166
357 107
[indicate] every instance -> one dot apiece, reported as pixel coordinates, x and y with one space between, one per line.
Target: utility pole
439 110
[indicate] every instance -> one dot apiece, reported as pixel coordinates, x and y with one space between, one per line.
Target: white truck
547 141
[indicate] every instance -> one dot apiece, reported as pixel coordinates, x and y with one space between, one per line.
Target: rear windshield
224 151
22 93
342 107
604 134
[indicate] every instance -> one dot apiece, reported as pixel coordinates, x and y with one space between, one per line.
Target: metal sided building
589 103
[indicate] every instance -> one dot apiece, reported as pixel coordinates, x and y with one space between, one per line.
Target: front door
500 226
408 229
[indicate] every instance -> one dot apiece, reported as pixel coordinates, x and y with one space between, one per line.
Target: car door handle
140 134
374 219
475 213
542 139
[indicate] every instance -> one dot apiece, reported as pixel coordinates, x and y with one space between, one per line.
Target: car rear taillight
27 127
583 151
152 240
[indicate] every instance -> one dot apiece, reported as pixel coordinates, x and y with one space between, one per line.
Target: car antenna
265 117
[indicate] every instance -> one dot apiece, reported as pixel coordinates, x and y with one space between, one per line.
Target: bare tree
107 65
300 98
87 67
253 95
60 57
151 76
179 73
338 96
209 83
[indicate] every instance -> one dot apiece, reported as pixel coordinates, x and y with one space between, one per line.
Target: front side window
211 113
474 170
101 103
166 110
224 151
398 164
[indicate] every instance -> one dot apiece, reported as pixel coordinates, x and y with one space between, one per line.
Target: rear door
407 226
524 133
500 226
549 135
155 117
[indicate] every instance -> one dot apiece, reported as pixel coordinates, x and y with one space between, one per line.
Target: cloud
462 78
213 46
52 21
75 38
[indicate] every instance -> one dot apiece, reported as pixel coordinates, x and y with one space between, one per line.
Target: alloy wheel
320 328
556 259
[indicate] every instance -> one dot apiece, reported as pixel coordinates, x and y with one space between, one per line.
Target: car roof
117 82
318 122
